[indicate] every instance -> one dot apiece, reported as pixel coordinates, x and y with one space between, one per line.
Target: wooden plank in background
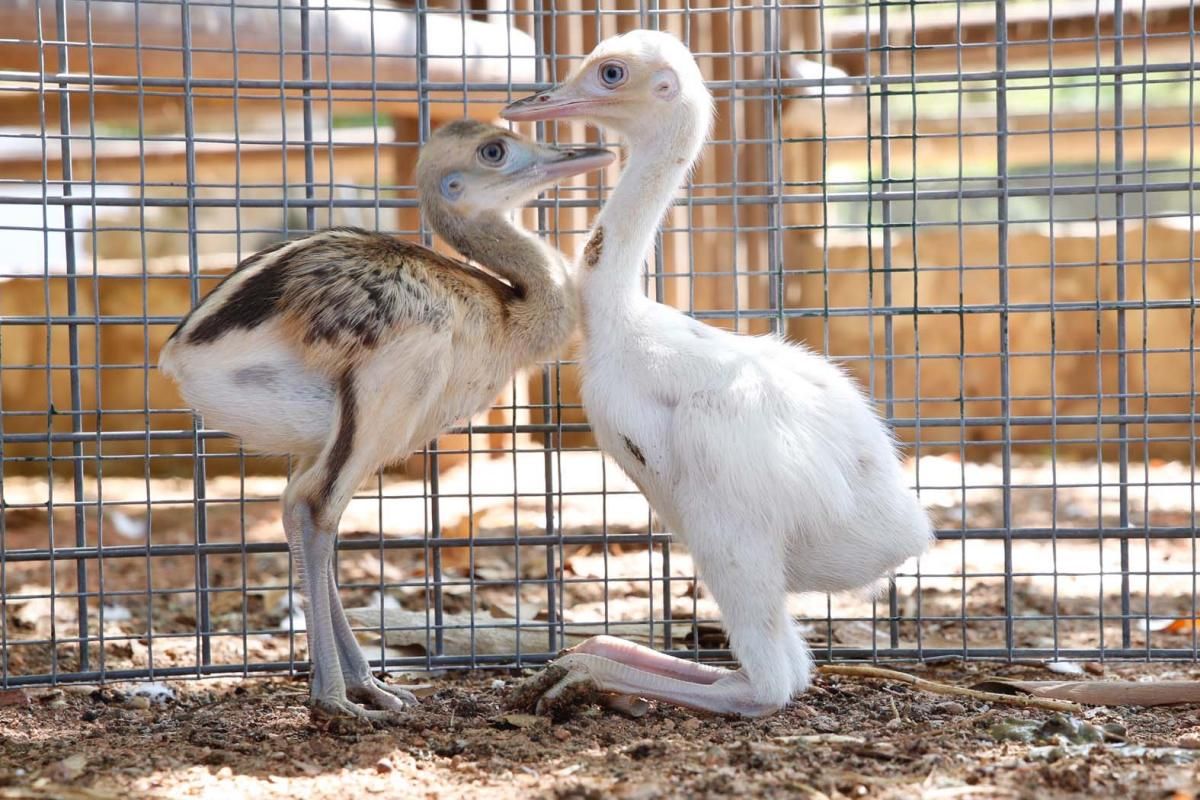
933 44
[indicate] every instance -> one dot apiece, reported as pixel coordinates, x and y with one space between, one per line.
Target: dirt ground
848 737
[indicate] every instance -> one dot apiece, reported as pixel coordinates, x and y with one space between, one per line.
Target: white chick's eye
493 153
613 74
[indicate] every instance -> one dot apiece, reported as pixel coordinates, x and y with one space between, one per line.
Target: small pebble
952 707
562 734
68 769
894 723
383 766
690 725
91 715
715 755
139 702
225 772
1190 741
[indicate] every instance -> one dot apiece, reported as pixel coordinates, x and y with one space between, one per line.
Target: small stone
521 721
562 734
715 755
108 696
1189 741
1093 667
450 748
690 725
418 742
894 723
139 702
639 791
91 715
383 766
952 707
225 772
68 769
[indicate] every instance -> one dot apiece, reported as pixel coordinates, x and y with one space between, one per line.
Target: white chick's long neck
653 173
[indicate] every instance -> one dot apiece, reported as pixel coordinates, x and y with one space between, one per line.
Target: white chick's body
765 458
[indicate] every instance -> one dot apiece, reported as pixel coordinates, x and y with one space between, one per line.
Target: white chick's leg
746 572
361 685
647 660
731 694
608 664
747 579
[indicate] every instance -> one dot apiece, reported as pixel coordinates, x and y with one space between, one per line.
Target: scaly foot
582 676
341 710
381 695
556 690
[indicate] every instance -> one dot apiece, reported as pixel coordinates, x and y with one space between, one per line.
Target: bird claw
573 689
389 698
339 712
556 690
529 691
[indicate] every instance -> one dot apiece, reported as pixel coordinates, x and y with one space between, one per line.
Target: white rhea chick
349 349
764 457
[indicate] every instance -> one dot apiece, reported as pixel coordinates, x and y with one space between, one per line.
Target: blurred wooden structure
718 250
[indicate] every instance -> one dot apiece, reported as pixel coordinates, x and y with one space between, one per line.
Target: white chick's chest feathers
645 382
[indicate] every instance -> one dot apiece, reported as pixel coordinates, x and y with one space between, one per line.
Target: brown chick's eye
612 74
493 153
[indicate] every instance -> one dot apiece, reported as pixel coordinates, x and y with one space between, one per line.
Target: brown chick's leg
313 550
361 685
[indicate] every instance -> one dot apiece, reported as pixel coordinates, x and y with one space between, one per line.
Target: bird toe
573 690
529 691
382 697
342 715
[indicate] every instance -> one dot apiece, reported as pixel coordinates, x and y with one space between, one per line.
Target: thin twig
935 687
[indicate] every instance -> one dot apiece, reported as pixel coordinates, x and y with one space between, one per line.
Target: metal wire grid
768 205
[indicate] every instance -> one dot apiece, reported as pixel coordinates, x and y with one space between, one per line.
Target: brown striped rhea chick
348 349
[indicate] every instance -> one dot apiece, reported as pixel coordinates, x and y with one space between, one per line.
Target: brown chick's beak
576 161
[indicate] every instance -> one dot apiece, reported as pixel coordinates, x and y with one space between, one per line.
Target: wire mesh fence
985 210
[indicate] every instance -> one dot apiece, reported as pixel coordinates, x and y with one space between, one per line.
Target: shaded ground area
846 738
